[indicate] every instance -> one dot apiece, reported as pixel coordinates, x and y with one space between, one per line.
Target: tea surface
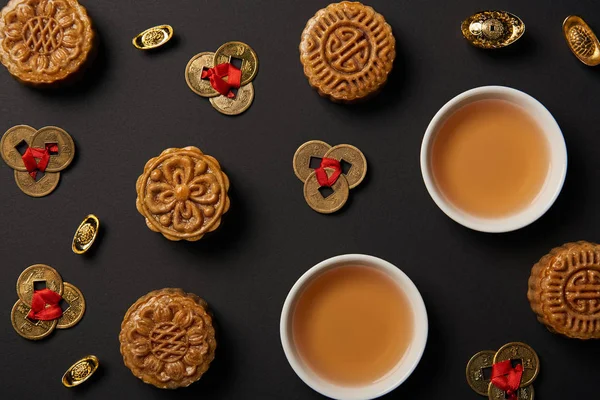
352 325
490 158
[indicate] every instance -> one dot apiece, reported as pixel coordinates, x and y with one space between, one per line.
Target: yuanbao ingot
231 50
85 235
582 40
81 371
492 29
237 105
153 37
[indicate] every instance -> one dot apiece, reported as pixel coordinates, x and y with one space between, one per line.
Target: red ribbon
45 305
44 156
321 174
507 378
216 75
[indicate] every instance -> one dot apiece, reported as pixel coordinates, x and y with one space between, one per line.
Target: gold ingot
81 371
353 156
581 40
237 105
524 393
475 371
86 234
153 37
310 149
492 29
73 314
32 330
528 357
37 273
241 51
329 204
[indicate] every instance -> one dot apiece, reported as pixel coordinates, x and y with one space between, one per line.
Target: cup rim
554 181
405 366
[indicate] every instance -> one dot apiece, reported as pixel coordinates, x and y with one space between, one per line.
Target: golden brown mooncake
168 339
347 50
182 194
44 41
564 290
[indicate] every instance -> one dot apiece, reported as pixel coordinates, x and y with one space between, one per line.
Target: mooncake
44 41
168 339
182 193
347 50
564 290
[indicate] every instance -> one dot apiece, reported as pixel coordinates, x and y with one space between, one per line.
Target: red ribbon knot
216 75
321 174
30 155
507 378
45 305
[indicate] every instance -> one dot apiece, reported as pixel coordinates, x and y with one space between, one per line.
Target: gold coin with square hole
237 105
354 157
524 393
76 307
40 188
331 203
32 330
38 273
66 146
313 148
528 356
193 74
475 375
242 51
9 142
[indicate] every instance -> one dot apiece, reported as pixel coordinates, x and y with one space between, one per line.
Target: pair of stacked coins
309 157
37 329
480 365
227 53
51 142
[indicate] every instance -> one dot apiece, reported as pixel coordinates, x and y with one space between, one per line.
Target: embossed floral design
167 338
183 194
45 38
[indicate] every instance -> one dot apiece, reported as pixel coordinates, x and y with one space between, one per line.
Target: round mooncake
168 339
44 41
183 194
347 50
564 290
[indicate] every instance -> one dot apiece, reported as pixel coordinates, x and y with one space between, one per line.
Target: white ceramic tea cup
554 179
399 373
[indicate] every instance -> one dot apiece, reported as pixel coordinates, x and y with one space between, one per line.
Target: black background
132 105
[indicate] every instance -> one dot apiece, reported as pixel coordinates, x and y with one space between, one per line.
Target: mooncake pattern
183 194
168 339
347 50
44 41
564 290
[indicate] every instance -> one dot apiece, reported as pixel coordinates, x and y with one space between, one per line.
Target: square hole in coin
64 305
314 162
236 62
515 362
325 191
486 373
345 166
39 285
22 147
32 321
49 146
39 175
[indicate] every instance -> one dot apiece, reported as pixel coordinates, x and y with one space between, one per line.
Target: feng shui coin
240 103
353 156
86 234
582 40
37 273
526 355
524 393
66 147
153 37
81 371
242 51
43 187
11 140
322 202
302 157
476 371
193 74
74 312
32 330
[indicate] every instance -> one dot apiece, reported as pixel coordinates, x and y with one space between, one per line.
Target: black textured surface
132 105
